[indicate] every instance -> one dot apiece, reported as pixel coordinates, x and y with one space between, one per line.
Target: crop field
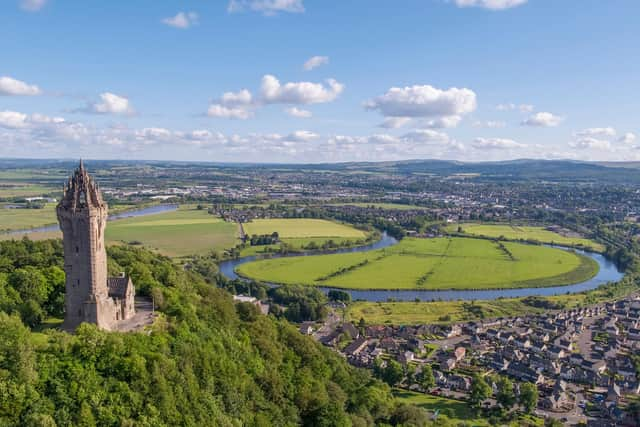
517 232
299 233
183 232
302 228
19 219
180 233
441 263
8 189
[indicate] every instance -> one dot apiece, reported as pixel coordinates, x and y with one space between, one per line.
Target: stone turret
82 215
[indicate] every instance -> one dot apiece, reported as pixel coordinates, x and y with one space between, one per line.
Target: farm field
444 312
517 232
298 233
389 206
441 263
183 232
302 228
19 219
8 189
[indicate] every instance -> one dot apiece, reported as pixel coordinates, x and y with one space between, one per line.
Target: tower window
77 249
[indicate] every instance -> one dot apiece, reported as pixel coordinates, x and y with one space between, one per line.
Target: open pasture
442 263
521 232
456 411
20 219
301 228
299 233
179 233
183 232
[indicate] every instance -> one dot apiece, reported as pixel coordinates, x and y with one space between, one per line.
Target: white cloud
490 4
496 144
10 86
628 138
266 7
523 108
298 112
543 119
13 119
442 122
273 92
32 5
233 105
426 136
394 122
492 124
302 136
315 61
443 108
220 111
588 142
112 104
182 20
607 132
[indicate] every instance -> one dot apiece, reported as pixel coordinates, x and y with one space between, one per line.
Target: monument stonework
91 296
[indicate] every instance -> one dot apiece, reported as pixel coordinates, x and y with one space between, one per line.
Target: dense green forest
204 362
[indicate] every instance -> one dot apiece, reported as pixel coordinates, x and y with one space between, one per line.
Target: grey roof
118 286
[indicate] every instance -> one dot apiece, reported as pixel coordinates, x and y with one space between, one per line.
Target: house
459 353
356 346
452 331
406 357
449 364
350 330
458 382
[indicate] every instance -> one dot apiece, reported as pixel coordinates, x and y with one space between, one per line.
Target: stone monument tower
90 296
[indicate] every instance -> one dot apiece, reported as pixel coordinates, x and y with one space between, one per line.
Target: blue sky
220 80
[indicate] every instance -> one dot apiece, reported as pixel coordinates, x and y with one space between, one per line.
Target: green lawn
20 189
456 410
442 263
519 232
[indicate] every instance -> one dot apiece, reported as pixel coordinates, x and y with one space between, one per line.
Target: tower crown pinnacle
81 191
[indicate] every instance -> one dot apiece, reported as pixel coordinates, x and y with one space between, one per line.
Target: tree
506 397
480 390
392 373
528 396
426 378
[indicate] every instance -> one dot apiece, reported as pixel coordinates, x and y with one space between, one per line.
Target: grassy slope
455 263
539 234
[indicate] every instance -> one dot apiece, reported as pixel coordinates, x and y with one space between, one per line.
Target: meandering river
607 272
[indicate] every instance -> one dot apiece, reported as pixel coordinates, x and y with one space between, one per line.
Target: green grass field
298 233
184 232
302 228
456 410
518 232
442 263
388 206
443 312
19 189
19 219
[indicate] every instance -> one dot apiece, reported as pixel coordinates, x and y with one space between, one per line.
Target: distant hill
524 169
